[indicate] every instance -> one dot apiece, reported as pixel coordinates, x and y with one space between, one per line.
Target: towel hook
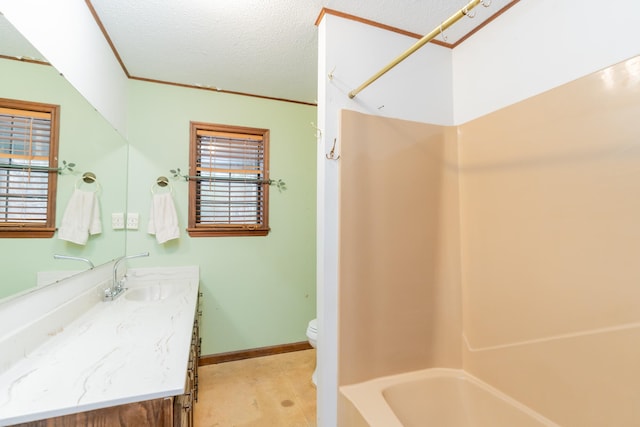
161 182
330 75
317 129
332 153
89 177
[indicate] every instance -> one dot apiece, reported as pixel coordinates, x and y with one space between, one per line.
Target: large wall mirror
87 140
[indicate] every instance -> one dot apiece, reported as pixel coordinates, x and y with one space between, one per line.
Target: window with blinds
229 182
28 162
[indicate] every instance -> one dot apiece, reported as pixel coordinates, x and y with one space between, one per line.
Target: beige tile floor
270 391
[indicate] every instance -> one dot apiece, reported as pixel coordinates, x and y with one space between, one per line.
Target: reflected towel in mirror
81 217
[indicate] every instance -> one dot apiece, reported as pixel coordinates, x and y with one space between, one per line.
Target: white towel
81 217
163 219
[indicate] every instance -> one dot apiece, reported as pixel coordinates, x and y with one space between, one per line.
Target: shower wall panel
550 226
399 306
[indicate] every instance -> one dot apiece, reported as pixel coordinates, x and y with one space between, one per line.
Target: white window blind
229 180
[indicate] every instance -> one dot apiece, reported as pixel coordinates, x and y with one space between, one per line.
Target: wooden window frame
24 229
195 227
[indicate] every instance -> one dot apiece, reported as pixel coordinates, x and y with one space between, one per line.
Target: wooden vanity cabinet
175 411
183 404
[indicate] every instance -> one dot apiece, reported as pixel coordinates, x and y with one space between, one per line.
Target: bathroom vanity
131 361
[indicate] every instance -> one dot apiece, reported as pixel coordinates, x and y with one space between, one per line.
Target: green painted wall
89 141
258 291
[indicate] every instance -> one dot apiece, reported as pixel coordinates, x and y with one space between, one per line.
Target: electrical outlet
117 221
133 220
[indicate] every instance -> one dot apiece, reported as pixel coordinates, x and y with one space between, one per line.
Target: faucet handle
111 293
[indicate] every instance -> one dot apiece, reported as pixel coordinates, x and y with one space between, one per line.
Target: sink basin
155 292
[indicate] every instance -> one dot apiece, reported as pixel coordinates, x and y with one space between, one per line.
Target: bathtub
436 397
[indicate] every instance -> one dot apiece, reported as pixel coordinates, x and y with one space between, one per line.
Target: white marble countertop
117 352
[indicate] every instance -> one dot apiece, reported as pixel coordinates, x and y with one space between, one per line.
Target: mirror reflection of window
28 165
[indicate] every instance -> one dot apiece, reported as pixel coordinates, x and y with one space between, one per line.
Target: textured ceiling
259 47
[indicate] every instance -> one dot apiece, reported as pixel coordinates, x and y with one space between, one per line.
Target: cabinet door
183 411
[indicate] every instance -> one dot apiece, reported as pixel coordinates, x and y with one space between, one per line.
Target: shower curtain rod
424 40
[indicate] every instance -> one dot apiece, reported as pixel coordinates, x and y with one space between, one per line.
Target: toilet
312 334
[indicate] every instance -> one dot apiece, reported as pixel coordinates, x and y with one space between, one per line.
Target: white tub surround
434 397
132 349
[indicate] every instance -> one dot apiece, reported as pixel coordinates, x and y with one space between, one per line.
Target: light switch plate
117 220
133 220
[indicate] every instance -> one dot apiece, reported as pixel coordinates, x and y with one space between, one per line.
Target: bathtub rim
380 413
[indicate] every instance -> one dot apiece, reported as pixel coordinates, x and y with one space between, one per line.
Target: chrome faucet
77 258
117 286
